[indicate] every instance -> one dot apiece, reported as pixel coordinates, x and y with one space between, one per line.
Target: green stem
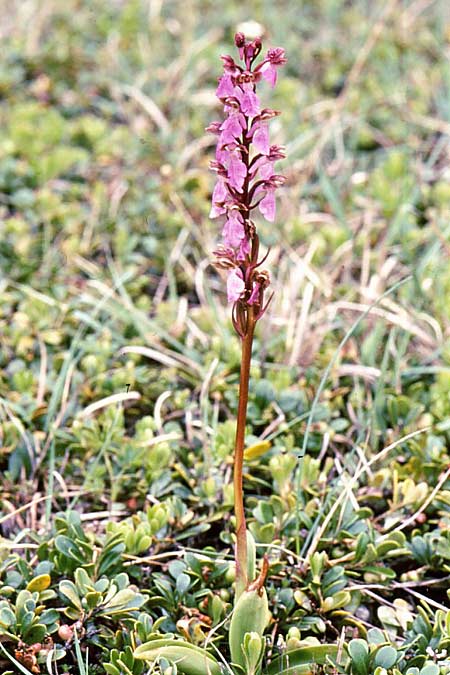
241 528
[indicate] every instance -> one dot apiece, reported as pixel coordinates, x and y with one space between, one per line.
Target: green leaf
68 548
190 660
110 669
92 599
303 660
49 616
121 598
359 653
183 582
39 583
386 657
7 617
34 634
26 620
376 636
430 669
176 567
83 581
69 591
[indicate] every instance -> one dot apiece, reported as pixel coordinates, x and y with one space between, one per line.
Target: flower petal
244 249
269 73
267 205
226 87
235 285
237 172
249 102
261 139
233 231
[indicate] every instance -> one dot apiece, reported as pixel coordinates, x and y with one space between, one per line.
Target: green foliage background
115 521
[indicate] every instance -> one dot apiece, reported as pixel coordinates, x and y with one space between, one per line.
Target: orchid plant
246 181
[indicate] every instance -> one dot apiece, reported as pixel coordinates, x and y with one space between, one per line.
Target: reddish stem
241 528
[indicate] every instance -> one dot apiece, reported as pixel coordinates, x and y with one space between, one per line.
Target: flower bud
239 40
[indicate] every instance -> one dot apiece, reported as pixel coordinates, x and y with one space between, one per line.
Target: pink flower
269 73
276 152
249 102
219 196
266 170
260 138
267 205
263 166
275 57
232 127
223 153
237 171
226 87
235 284
233 231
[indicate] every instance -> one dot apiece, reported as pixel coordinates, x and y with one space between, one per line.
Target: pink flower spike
267 205
254 295
235 285
246 178
225 87
237 172
233 231
261 138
